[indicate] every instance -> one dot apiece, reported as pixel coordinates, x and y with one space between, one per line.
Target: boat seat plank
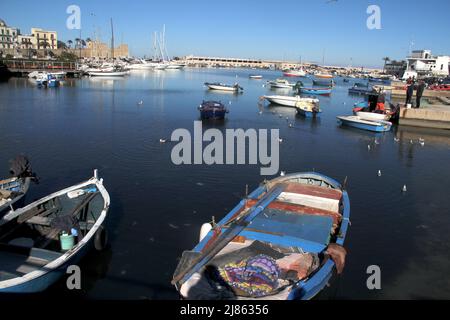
310 201
39 220
312 190
300 210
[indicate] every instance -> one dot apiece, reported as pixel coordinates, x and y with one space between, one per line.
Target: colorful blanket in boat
256 276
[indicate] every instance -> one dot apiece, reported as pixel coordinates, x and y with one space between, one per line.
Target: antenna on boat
344 184
246 191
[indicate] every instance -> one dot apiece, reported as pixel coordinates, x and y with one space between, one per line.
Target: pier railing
17 65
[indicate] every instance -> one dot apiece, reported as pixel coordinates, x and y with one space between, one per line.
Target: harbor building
202 61
97 49
26 41
44 39
8 35
423 63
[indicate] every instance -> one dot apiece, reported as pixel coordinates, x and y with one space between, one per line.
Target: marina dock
430 116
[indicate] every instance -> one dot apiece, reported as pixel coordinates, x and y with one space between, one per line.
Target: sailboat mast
112 40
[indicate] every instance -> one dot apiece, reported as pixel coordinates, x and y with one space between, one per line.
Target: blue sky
252 29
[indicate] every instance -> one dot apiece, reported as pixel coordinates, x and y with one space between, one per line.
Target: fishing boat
316 91
114 72
280 84
224 87
39 242
282 242
369 125
47 80
361 89
309 109
295 73
212 110
255 76
14 189
289 101
323 76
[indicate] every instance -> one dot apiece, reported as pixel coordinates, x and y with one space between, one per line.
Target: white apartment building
8 35
422 62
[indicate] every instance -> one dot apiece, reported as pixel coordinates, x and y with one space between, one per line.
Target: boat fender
101 239
204 230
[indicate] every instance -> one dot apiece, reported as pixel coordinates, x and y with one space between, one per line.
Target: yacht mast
112 40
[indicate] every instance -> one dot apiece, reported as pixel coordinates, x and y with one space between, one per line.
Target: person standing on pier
419 92
409 91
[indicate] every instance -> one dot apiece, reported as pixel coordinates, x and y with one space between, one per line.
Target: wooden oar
239 224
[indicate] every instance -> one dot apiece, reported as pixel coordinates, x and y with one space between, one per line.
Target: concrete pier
431 116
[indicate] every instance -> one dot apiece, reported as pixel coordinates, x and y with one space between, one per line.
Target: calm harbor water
157 208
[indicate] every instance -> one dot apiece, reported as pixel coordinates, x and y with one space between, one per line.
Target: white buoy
404 188
204 230
379 173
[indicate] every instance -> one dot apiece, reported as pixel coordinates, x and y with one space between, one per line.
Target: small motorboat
295 73
40 241
281 84
346 80
255 76
316 91
323 76
224 87
14 189
282 242
107 73
308 109
361 89
289 101
212 110
369 125
47 80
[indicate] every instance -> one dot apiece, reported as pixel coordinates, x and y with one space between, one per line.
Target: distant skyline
283 30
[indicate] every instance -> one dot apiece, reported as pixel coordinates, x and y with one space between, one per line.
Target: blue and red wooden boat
284 241
212 110
316 91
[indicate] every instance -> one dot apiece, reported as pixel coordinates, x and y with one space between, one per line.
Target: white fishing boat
357 122
40 241
289 101
295 73
281 84
224 87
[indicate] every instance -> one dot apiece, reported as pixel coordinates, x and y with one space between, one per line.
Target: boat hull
213 114
107 74
356 122
316 91
308 114
21 186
